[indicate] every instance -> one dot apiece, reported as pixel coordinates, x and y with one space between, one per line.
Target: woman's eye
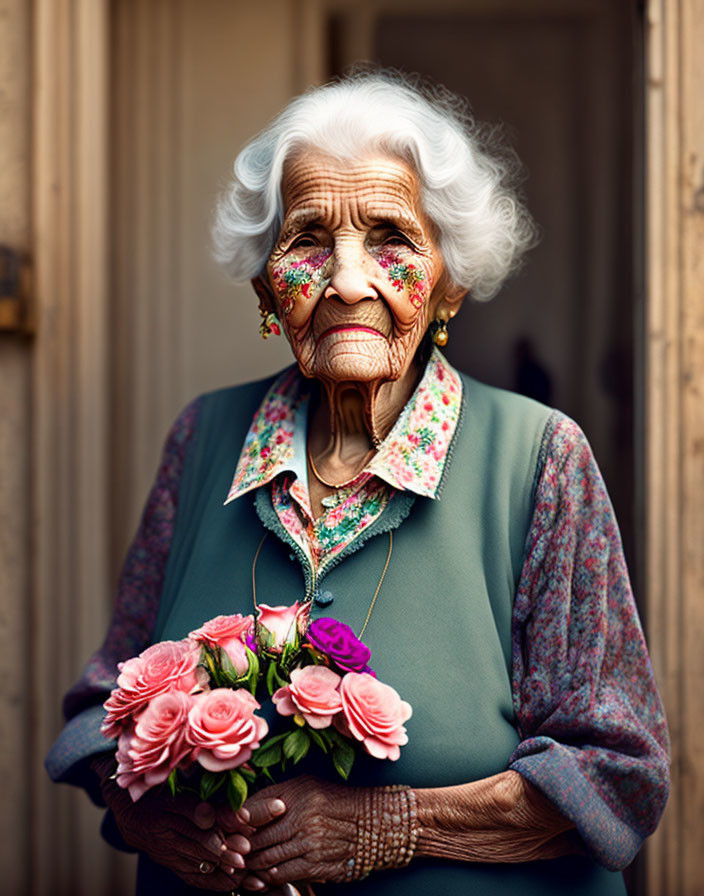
396 239
305 241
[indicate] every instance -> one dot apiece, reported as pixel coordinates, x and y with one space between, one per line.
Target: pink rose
223 726
148 751
374 714
313 693
162 667
228 633
283 623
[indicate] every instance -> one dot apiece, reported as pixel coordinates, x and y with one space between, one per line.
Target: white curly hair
468 176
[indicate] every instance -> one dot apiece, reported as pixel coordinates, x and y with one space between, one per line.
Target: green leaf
296 745
253 670
267 755
236 790
280 680
248 774
328 735
210 783
343 758
267 774
210 663
172 783
315 734
270 678
229 673
265 638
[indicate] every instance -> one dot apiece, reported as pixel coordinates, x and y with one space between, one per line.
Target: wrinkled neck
350 420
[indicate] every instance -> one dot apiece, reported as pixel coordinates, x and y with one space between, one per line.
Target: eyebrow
305 217
397 219
299 220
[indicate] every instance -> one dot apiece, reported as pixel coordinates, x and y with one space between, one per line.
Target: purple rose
339 642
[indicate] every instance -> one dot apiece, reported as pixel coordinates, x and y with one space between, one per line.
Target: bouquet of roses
185 712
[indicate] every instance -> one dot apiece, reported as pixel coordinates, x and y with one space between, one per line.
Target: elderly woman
464 531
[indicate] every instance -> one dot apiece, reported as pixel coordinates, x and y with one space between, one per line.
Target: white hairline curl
468 177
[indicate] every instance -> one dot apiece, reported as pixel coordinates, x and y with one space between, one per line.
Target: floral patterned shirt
412 457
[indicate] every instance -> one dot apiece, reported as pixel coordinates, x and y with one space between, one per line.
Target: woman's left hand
313 840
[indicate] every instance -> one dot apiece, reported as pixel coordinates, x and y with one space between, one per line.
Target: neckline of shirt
412 457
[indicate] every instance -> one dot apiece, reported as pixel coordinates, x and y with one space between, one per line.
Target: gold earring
270 325
438 332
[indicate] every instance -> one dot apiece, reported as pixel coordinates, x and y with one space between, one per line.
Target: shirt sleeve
593 732
136 605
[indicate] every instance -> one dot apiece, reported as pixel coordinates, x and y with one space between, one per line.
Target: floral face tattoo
353 274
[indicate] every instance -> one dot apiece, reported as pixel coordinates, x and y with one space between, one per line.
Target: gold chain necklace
334 485
376 593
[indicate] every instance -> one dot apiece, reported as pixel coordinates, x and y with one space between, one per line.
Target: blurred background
120 123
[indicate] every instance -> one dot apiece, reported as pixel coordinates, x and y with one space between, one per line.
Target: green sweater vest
440 631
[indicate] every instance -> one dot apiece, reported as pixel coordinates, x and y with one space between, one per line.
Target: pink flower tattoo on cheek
300 278
405 276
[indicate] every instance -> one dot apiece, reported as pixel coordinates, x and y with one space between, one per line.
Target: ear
265 294
451 302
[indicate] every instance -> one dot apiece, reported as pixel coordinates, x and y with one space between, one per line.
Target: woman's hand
317 836
314 838
202 846
498 819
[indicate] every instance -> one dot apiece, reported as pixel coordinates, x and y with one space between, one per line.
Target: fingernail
237 860
223 847
243 815
255 884
230 870
215 842
277 807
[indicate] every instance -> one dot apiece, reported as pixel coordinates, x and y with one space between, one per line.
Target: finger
212 841
193 854
267 836
230 859
203 871
204 816
264 811
255 884
239 844
197 851
295 869
276 855
230 821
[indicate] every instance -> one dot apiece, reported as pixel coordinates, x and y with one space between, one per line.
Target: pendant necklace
376 593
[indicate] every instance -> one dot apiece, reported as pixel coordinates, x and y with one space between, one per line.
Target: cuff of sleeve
556 772
69 758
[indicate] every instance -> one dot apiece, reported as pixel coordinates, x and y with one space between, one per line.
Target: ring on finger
205 867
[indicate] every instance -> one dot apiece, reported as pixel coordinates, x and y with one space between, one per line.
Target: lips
351 328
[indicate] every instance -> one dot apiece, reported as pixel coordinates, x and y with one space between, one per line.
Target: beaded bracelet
388 832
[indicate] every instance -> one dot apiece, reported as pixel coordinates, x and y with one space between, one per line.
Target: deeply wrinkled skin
499 819
355 276
361 231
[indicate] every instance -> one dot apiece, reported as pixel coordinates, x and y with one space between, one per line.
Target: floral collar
412 457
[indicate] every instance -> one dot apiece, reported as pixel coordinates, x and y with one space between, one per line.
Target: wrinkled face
355 275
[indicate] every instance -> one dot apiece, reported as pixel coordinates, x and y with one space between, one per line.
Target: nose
350 280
